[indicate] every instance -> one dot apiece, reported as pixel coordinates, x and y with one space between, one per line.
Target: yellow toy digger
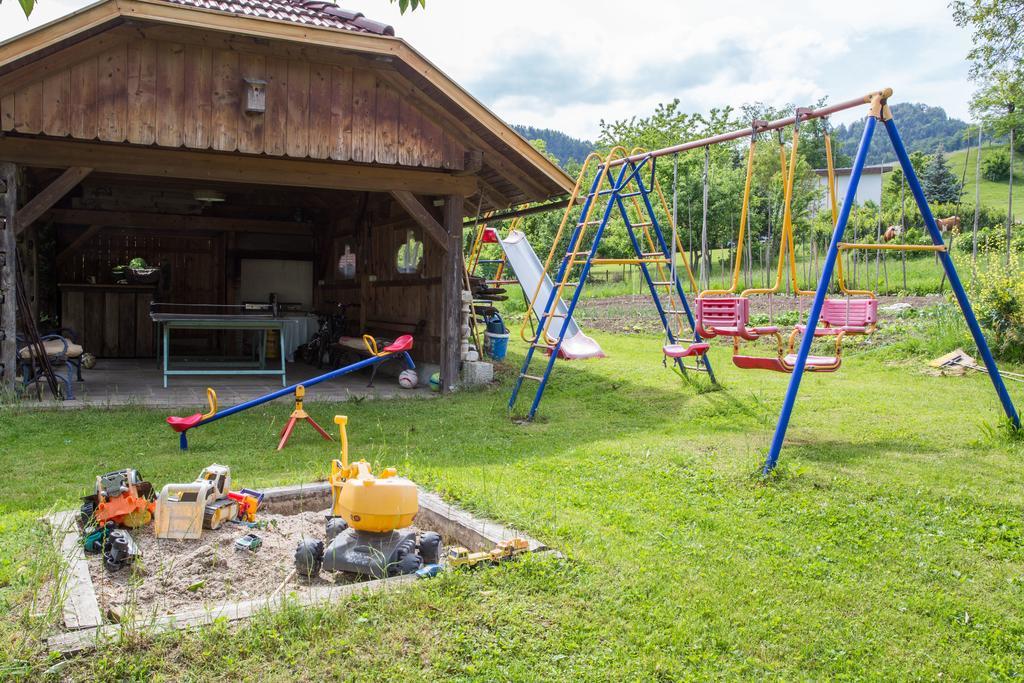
369 532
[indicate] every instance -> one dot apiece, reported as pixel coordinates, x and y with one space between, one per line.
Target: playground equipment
729 315
398 348
651 251
369 532
531 275
183 510
299 414
121 497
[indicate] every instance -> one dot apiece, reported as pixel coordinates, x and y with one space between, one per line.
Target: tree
940 183
998 34
996 167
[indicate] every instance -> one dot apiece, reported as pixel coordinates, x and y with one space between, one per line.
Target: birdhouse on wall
255 96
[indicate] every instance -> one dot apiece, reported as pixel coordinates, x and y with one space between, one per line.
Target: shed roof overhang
510 173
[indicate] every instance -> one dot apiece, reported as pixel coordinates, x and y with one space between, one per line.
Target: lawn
993 194
888 545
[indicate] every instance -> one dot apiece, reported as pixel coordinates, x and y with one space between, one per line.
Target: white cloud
567 65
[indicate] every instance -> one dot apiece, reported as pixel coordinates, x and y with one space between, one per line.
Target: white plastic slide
529 271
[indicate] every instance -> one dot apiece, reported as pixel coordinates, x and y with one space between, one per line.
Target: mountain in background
923 128
562 146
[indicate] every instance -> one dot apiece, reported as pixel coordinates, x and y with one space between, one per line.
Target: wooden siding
148 92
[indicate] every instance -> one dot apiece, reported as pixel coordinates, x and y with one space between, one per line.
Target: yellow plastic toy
368 503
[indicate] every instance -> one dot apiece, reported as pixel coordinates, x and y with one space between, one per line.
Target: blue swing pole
819 295
954 278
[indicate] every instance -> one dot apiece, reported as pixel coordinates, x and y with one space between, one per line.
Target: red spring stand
299 414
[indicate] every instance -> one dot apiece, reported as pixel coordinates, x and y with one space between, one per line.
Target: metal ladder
627 184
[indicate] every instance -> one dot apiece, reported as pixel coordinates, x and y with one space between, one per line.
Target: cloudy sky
569 64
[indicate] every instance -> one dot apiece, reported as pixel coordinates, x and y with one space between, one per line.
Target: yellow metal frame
743 226
850 246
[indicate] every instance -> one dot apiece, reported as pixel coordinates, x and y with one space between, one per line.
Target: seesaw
398 348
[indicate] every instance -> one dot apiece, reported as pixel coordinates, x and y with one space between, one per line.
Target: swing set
622 176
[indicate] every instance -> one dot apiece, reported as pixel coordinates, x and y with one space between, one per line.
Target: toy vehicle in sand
369 532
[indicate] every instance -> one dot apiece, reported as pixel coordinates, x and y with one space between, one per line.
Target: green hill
564 147
924 128
993 194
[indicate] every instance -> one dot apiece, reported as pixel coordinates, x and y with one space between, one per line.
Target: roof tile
309 12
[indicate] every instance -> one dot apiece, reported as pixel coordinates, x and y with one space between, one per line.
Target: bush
999 304
996 167
991 240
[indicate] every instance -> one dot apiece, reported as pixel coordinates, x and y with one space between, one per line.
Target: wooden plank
144 333
57 104
7 112
111 94
364 115
386 149
28 108
49 196
83 100
341 113
92 322
320 135
297 131
86 639
170 94
226 103
454 153
111 320
198 94
251 127
141 84
80 608
277 106
431 143
262 170
8 262
451 294
176 222
421 215
408 133
72 311
126 328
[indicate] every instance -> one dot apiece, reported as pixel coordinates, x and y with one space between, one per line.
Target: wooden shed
243 148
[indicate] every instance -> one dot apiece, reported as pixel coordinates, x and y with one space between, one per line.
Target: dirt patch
636 313
173 575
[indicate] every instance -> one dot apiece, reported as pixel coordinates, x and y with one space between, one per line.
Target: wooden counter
112 321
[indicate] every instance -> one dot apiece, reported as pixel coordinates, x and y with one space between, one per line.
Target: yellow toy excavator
370 530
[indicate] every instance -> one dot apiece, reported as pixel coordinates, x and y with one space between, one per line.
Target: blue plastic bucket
496 344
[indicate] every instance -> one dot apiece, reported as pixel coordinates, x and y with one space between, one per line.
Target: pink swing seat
685 351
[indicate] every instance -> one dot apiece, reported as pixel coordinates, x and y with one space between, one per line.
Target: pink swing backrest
727 312
853 313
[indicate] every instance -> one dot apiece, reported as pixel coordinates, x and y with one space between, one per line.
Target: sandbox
179 584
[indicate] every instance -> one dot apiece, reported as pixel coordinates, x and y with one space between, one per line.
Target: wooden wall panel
320 135
198 66
386 149
141 85
170 94
297 130
364 115
277 106
28 108
341 113
226 100
112 94
56 104
251 128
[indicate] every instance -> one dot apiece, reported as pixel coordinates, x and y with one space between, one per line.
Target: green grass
993 194
888 545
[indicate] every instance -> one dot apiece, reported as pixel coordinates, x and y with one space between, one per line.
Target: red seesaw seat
681 351
403 343
181 424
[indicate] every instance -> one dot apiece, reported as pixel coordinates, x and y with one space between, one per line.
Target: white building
868 189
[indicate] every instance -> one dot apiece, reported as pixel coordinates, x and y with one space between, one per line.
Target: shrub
996 167
999 304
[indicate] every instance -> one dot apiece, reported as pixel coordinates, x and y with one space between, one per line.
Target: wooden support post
451 293
421 215
8 255
49 196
